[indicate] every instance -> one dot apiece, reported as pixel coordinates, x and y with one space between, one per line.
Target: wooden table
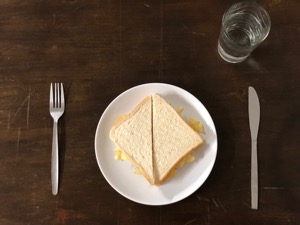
99 49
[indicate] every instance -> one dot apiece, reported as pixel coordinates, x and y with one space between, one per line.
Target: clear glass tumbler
244 26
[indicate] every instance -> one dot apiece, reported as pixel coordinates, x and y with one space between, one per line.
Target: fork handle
54 160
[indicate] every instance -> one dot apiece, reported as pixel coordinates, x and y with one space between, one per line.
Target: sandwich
155 138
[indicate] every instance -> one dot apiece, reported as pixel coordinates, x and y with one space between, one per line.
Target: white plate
120 174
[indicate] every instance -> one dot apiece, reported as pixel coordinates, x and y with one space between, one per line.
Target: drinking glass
244 26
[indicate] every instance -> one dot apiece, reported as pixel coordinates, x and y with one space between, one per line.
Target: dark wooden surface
99 49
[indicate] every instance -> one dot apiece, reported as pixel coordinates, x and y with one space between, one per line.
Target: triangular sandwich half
133 135
173 139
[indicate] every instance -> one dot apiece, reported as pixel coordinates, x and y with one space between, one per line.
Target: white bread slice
133 134
173 139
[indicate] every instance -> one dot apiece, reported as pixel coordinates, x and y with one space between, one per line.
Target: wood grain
99 49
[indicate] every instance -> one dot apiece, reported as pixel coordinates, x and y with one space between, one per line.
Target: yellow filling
179 111
119 155
196 125
189 158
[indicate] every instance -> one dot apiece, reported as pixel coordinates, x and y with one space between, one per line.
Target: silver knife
254 116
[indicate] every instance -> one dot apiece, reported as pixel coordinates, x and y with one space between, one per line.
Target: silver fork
57 108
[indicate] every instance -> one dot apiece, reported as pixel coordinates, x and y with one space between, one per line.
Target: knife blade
254 117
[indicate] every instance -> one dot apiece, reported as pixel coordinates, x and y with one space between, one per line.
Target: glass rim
246 4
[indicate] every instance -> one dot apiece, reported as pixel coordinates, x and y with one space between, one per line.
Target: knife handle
254 175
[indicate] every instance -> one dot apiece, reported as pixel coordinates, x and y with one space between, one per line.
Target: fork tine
62 102
55 95
51 96
58 96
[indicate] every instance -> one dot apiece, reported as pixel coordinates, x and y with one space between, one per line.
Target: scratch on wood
220 203
215 202
223 207
18 144
198 33
193 220
147 5
79 7
28 107
8 122
193 32
247 205
185 26
274 188
54 19
208 215
27 99
200 198
16 113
